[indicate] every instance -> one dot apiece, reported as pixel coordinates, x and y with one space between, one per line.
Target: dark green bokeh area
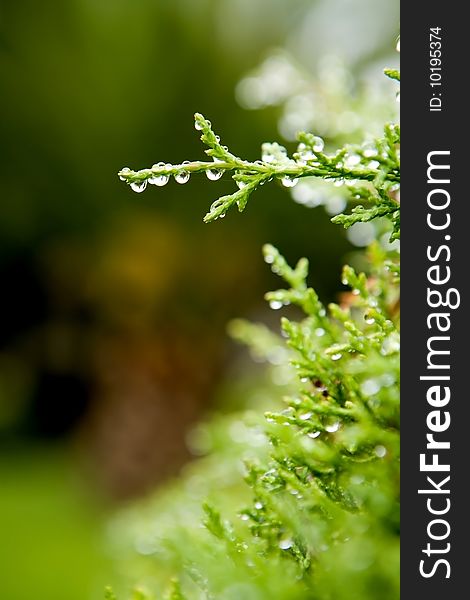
114 303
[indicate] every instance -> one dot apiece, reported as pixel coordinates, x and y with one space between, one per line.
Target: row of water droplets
158 180
162 179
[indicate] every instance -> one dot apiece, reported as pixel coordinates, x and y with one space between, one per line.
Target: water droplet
241 184
159 180
268 157
158 166
352 160
275 304
313 434
387 379
182 177
139 186
259 505
289 181
320 332
307 156
214 174
332 427
370 387
197 126
244 517
318 144
285 544
355 292
370 321
305 416
391 344
125 170
380 451
336 356
373 164
370 151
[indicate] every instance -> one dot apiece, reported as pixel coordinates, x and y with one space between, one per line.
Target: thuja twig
376 164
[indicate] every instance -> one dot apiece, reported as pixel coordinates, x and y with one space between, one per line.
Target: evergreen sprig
323 518
374 164
329 472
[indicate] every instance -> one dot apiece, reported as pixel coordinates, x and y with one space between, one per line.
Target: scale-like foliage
372 171
321 520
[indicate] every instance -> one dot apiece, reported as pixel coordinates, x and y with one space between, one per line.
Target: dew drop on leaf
332 427
138 186
123 174
289 182
182 177
267 157
214 174
318 145
285 544
352 160
380 451
159 180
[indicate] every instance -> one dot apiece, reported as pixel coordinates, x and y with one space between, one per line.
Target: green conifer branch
325 487
376 165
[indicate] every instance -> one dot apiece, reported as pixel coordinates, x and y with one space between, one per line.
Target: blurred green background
114 305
